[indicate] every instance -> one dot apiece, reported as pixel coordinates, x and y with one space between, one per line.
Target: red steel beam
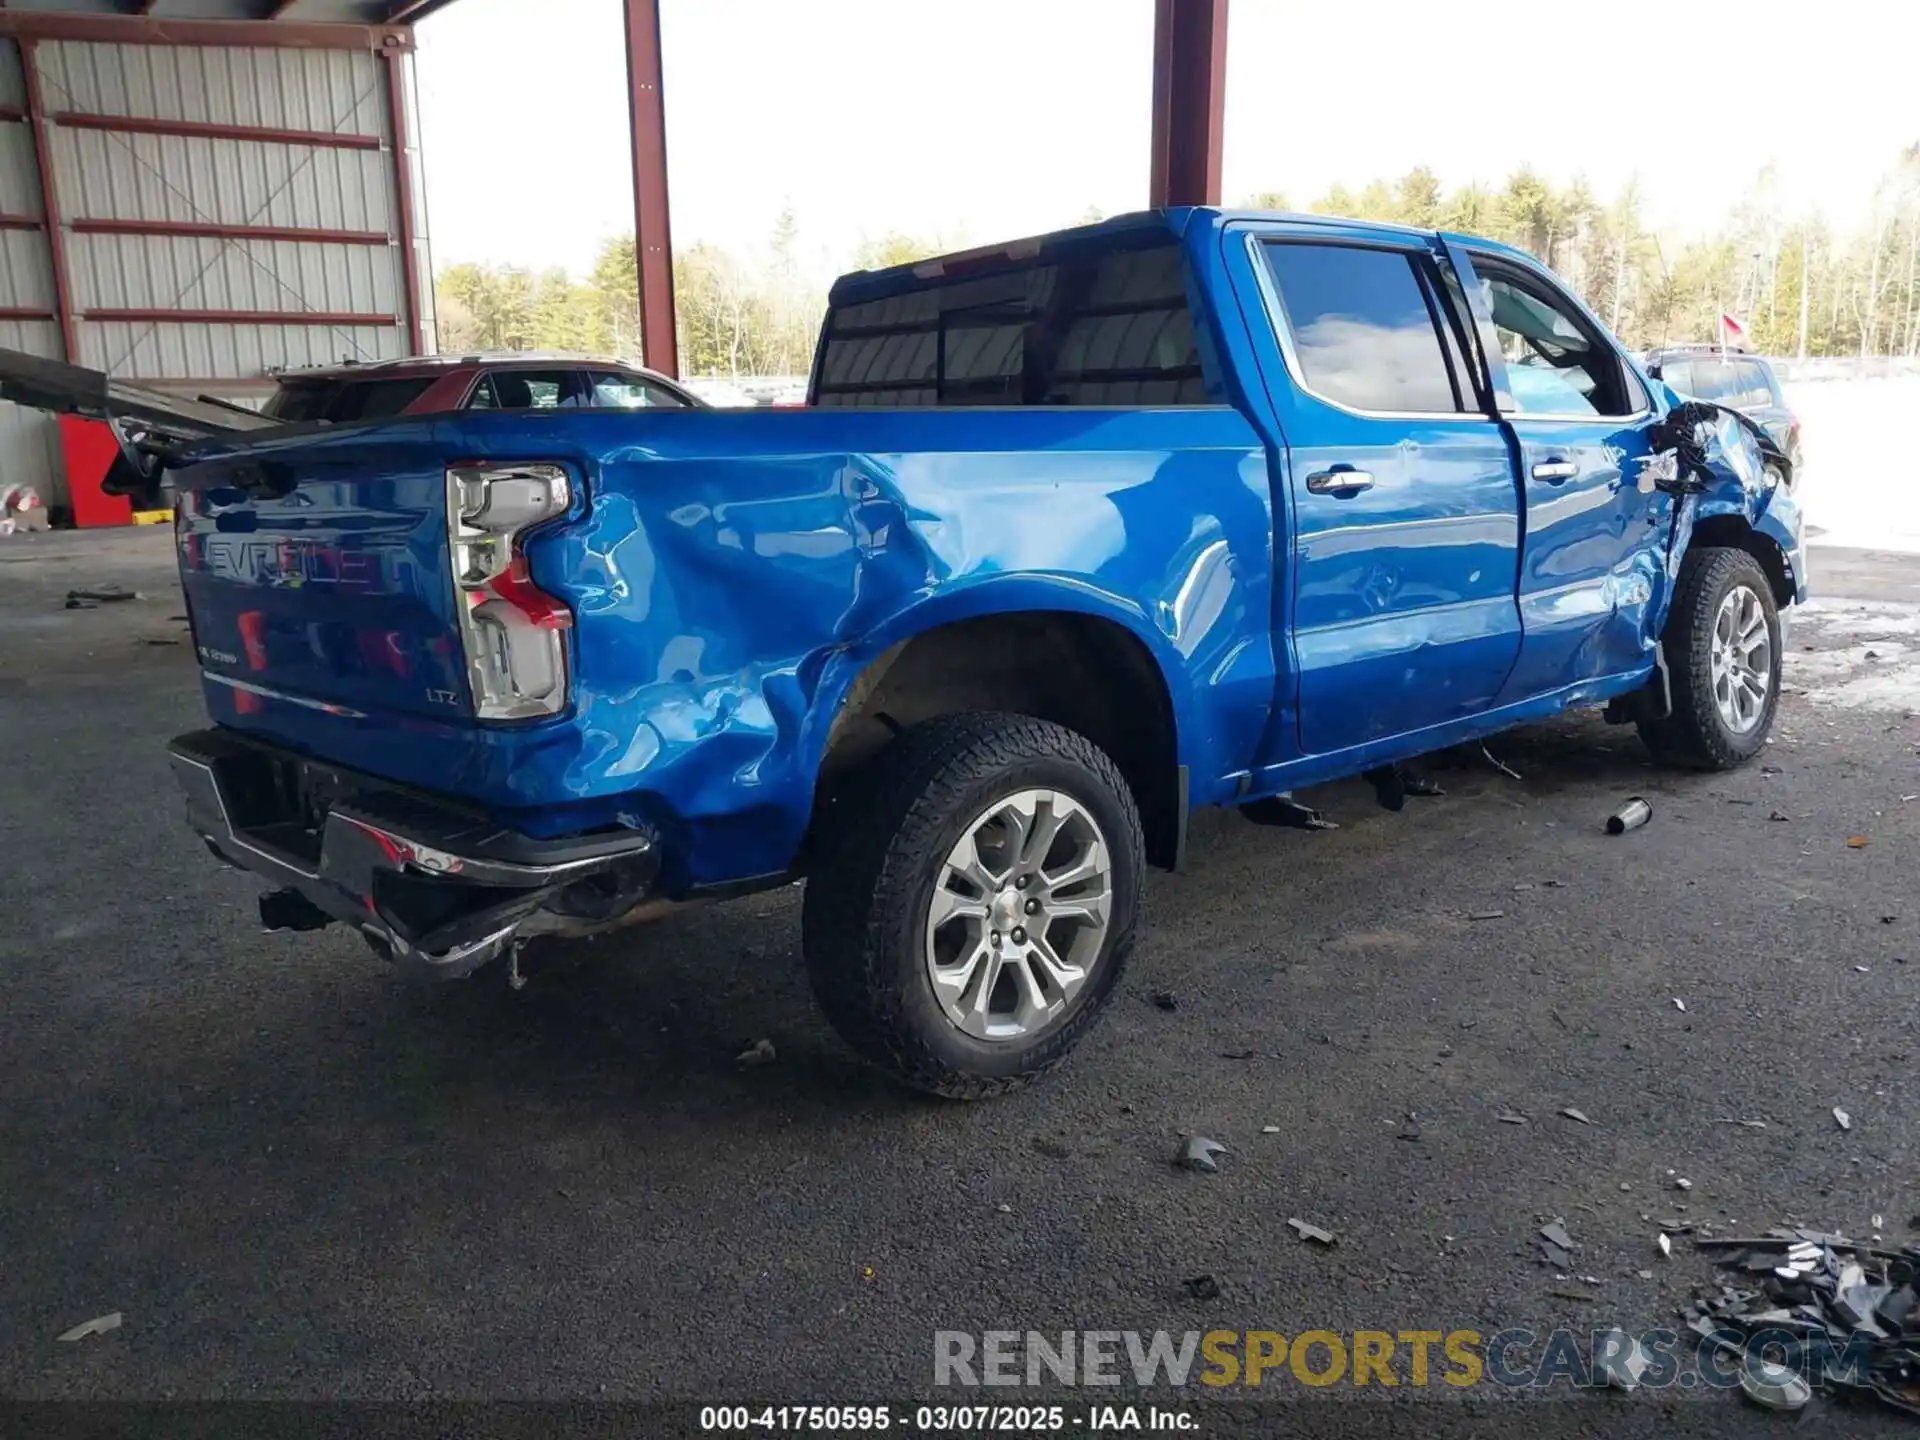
25 312
13 112
19 222
652 228
208 130
403 197
210 230
49 201
146 30
239 317
1189 101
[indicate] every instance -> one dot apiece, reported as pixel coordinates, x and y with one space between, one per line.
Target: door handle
1339 482
1555 471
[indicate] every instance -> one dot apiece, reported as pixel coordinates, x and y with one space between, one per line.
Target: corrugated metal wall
155 304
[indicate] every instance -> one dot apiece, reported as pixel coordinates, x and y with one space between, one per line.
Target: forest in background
1800 286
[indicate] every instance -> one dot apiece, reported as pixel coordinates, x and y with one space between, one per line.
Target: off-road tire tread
873 857
1692 735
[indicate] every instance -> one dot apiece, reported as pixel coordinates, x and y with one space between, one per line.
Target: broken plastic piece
1200 1153
1630 816
99 1325
1679 1004
1666 1246
761 1052
1307 1230
1774 1387
1556 1234
1845 1120
1573 1114
1508 1117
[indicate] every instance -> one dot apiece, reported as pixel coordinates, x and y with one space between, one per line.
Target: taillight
511 629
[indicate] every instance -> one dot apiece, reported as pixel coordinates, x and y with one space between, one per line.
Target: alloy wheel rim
1741 664
1019 915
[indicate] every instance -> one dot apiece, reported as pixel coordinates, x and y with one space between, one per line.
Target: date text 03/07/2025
943 1419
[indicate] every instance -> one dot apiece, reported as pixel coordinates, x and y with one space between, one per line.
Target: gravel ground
299 1179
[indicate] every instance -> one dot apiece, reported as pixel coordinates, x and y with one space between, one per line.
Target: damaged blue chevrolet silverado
1075 535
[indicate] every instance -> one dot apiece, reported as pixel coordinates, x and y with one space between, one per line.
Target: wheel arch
1048 651
1731 531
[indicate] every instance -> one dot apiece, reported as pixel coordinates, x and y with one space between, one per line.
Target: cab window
528 390
1557 363
613 391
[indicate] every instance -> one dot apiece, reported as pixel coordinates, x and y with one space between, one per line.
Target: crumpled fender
1770 511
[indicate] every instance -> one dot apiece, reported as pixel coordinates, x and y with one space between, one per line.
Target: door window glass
528 390
612 391
1715 380
1557 364
1363 328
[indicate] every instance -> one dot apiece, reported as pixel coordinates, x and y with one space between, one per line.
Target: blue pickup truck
1075 535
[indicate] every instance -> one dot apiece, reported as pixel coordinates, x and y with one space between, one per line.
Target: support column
36 117
1189 101
653 239
408 232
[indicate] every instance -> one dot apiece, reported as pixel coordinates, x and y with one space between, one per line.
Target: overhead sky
976 120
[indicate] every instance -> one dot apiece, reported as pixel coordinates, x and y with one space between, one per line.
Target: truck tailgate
317 572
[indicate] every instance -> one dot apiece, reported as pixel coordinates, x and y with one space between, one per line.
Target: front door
1404 516
1596 528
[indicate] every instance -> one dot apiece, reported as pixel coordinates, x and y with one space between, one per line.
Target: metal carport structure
194 192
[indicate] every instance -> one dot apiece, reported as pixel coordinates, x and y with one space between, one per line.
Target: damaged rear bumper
439 889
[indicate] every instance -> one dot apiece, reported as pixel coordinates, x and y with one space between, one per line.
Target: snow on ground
1860 484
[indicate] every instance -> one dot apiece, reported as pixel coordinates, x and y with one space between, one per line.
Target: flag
1732 332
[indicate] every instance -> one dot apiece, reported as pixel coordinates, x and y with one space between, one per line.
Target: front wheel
974 906
1722 645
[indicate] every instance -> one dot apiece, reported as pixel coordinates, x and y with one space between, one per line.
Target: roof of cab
1176 220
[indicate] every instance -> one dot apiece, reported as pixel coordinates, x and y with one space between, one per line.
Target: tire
868 903
1698 735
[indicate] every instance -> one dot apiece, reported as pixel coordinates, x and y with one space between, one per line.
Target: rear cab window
1092 328
340 401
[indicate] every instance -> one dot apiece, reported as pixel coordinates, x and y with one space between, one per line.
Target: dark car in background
1736 379
427 385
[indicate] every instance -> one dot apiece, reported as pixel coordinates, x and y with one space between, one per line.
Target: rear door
1405 520
1596 530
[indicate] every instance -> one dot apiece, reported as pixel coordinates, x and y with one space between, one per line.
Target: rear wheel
974 907
1722 645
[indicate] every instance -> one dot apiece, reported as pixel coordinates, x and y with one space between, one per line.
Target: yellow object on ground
152 517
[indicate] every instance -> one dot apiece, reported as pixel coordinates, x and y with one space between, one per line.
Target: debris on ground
1842 1118
1485 914
1666 1245
1748 1124
1775 815
1573 1114
1286 812
761 1052
1683 1183
1679 1004
1634 813
1508 1117
1556 1245
1856 842
1004 1208
1499 764
94 595
1202 1287
1833 1316
1200 1153
99 1325
1307 1230
1568 1292
1269 1129
1165 1000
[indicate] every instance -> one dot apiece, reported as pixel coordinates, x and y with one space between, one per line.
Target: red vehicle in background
515 380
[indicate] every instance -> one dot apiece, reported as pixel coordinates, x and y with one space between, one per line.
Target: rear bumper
440 889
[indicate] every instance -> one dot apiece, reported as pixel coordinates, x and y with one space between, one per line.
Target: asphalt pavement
296 1178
